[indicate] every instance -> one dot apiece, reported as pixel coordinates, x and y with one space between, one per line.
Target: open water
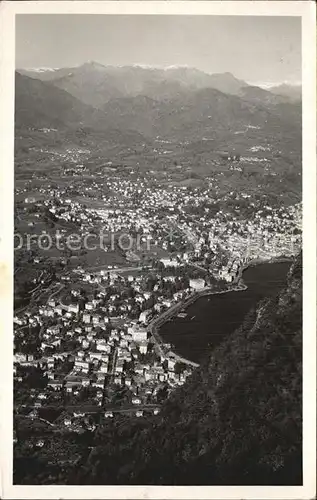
213 317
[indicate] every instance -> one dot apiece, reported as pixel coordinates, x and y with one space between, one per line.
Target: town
111 268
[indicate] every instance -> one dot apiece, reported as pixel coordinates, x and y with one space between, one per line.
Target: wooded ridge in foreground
237 420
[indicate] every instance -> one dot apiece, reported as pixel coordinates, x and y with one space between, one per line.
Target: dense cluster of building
80 345
98 340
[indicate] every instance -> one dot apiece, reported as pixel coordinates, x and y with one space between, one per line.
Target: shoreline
237 287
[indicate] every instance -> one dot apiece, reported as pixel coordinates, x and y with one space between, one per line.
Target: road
156 323
60 288
113 363
117 269
80 408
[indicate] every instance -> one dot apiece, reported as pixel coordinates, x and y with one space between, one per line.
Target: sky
256 49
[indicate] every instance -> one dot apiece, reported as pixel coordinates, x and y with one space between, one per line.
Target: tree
179 368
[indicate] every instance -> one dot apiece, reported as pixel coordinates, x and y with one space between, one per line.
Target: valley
136 191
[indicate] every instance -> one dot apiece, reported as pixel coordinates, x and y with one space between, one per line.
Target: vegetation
237 420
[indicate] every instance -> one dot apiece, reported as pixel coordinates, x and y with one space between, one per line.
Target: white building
83 365
74 308
197 284
168 262
103 346
104 368
139 334
86 318
143 347
145 316
136 401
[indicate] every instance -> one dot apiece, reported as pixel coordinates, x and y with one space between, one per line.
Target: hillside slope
207 115
40 105
236 421
95 84
292 92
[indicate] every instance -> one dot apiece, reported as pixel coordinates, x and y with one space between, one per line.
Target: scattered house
73 308
119 366
171 363
145 316
95 355
19 357
104 368
136 400
42 396
33 414
86 318
78 414
169 262
102 345
85 382
139 334
149 375
83 365
99 383
143 347
59 310
197 284
55 384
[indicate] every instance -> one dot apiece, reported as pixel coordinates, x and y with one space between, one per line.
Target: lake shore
207 315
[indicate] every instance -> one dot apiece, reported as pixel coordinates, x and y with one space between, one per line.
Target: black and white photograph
158 204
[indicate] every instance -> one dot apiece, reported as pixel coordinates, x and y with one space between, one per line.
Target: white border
306 10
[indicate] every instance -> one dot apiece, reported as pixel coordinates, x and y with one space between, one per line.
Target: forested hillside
236 421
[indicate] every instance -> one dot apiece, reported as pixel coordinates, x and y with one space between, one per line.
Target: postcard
158 240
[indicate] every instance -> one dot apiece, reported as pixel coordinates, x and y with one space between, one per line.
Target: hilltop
95 84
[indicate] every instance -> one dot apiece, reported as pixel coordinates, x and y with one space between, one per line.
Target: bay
213 317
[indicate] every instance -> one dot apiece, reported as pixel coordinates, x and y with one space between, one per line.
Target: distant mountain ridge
118 81
292 92
41 105
96 84
183 116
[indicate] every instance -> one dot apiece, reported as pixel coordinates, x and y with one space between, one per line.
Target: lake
213 317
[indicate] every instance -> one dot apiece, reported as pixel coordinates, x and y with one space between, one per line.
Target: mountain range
180 105
154 117
238 418
41 105
95 84
292 92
